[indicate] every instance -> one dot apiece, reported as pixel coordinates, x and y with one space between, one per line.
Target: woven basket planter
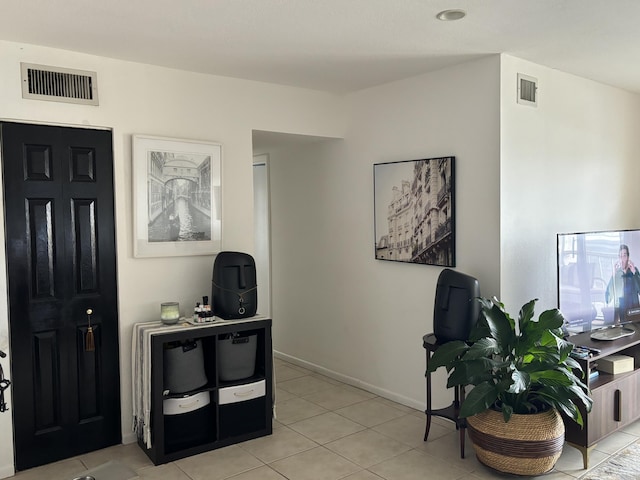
525 445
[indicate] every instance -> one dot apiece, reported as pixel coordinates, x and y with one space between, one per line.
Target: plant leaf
552 378
565 347
480 398
446 354
500 325
569 408
507 411
574 364
521 381
526 314
581 395
484 347
471 373
551 319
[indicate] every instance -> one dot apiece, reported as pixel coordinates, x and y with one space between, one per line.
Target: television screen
599 279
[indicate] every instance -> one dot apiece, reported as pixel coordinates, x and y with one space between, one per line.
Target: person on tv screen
624 286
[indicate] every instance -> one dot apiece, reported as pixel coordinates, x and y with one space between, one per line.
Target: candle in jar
170 312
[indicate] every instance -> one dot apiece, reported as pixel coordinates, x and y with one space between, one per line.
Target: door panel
60 234
46 387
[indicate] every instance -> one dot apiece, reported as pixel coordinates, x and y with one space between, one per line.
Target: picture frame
414 208
177 197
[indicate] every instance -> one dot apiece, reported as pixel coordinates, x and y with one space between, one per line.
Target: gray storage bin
236 357
184 367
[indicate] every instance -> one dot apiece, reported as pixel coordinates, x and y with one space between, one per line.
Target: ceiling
337 46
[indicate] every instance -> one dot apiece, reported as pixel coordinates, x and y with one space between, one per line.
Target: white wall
137 98
571 164
337 307
523 175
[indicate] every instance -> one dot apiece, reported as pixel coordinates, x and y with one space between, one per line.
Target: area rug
624 465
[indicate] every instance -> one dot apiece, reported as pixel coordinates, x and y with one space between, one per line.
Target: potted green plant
516 371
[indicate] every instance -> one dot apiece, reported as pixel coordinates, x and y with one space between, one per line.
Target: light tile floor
327 430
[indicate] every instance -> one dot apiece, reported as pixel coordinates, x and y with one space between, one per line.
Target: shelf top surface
158 328
606 347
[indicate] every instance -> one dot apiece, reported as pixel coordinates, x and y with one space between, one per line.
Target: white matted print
177 197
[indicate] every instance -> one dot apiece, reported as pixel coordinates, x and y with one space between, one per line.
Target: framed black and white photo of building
414 206
177 197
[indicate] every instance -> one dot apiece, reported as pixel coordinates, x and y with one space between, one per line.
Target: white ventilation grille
41 82
527 90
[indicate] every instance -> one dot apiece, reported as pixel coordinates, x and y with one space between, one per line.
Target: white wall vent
527 90
42 82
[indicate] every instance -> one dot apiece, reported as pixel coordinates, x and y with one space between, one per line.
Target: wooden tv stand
615 397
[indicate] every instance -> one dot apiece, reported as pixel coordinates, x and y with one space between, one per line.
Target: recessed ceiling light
450 15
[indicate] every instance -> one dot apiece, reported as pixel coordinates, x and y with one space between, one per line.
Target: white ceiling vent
527 90
41 82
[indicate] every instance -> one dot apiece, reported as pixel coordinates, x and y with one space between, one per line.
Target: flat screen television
599 279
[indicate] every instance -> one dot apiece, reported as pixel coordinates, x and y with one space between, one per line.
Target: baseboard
7 471
354 382
129 437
